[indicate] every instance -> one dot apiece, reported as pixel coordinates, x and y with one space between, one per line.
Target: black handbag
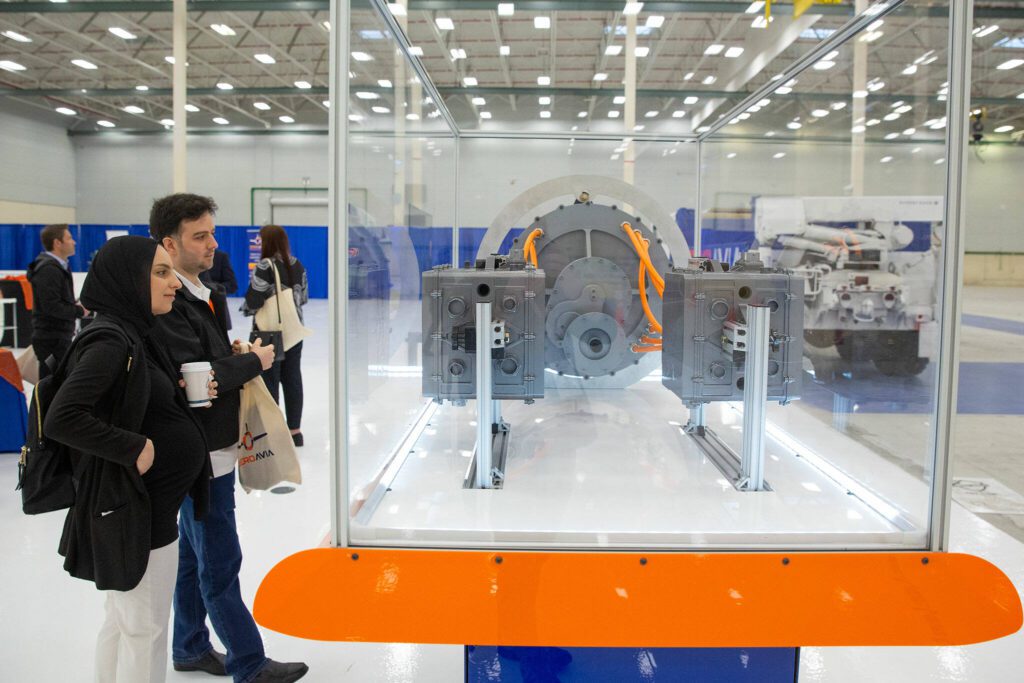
268 337
45 471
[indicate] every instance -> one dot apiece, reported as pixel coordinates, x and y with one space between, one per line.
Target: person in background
276 253
210 555
121 411
54 309
222 283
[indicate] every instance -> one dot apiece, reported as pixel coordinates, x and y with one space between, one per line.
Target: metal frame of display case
959 36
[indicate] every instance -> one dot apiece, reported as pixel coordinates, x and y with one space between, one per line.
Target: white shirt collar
200 292
61 261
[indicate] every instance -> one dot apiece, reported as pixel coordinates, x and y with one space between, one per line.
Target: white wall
37 176
120 176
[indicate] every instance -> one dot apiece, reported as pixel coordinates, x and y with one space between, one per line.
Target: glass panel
401 174
840 177
570 377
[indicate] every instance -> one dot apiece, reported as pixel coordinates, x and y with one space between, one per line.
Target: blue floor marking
985 389
990 323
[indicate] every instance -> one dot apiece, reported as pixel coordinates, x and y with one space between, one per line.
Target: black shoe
281 672
297 439
212 663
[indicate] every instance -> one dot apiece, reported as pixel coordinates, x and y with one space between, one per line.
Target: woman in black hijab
137 450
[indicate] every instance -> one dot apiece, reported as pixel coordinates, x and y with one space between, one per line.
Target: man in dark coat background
54 308
222 283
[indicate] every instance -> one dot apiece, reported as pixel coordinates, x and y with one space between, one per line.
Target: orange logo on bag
248 441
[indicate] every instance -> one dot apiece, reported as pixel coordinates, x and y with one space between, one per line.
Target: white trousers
132 644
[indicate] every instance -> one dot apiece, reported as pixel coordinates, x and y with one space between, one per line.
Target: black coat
54 310
98 412
222 283
191 333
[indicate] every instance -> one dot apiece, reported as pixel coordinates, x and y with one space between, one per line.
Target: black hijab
118 283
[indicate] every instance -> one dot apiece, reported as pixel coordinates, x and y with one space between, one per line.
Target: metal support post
755 395
484 403
496 413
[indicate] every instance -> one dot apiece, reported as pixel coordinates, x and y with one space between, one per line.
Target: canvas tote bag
266 454
278 314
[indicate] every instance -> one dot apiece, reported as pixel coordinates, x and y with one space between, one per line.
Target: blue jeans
209 558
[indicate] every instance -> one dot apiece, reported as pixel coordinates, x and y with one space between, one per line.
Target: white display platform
612 468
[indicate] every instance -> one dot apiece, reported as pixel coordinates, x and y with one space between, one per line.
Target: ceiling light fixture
678 114
445 23
66 111
714 49
655 21
225 86
734 52
581 115
545 115
84 64
105 123
223 29
691 99
709 80
778 155
397 8
121 33
543 80
221 121
262 106
544 101
542 22
191 108
14 35
416 51
689 75
820 113
601 77
651 114
986 31
613 114
380 110
361 57
132 109
457 53
142 88
506 9
285 119
642 51
478 101
1010 64
485 114
504 50
264 58
167 122
470 81
632 8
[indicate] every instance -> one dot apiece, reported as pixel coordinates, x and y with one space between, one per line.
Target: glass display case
588 339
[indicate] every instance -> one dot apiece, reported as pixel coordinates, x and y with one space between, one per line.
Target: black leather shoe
297 439
281 672
212 663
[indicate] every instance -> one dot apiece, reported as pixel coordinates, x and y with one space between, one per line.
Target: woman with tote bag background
277 265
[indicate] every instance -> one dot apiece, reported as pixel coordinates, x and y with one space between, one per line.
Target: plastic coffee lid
196 367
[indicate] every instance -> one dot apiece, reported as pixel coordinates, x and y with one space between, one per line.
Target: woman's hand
145 459
211 387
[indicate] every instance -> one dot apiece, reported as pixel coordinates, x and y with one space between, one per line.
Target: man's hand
264 353
145 459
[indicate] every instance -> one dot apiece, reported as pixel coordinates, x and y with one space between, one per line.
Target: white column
179 87
860 84
629 111
484 402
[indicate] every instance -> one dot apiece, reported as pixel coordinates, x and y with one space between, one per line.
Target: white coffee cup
197 383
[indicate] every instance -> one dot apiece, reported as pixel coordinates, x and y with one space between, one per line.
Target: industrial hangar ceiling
523 66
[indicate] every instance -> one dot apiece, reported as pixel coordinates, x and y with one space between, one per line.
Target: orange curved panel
613 599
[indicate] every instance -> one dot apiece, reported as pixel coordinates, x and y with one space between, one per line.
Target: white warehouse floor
49 620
